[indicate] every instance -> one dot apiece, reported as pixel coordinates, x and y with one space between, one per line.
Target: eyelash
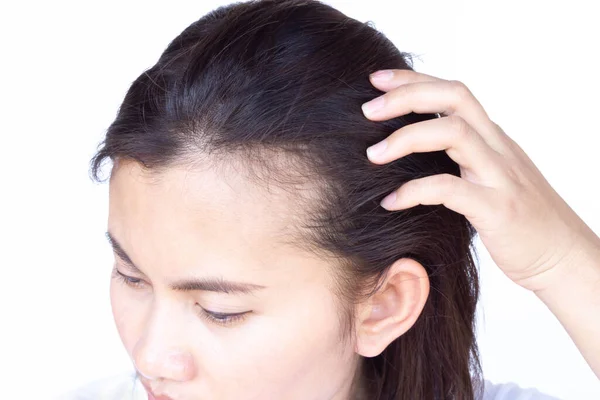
135 283
221 319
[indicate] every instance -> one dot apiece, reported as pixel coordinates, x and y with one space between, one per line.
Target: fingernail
388 200
383 75
371 106
377 149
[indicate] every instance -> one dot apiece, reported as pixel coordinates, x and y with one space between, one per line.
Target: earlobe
394 309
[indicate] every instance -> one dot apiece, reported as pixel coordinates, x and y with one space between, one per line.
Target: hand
526 226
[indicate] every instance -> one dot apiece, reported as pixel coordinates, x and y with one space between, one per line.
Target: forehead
199 208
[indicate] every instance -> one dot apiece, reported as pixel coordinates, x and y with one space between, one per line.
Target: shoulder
121 386
511 391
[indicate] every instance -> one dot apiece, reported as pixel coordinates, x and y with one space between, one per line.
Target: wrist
573 296
580 268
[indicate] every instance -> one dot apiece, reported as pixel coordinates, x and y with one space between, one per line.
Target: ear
395 307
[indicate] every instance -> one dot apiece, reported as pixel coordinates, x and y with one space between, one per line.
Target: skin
198 224
533 236
288 345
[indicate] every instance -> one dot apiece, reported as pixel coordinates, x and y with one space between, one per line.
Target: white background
65 67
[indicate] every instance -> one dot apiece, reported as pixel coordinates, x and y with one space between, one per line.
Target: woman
254 255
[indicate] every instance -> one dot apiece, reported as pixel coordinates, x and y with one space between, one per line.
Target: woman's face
207 300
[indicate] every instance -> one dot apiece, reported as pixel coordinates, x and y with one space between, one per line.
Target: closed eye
131 281
222 319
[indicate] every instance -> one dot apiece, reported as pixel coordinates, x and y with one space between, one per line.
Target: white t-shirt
127 387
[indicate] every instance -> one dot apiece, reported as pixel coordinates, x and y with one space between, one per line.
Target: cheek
128 314
295 350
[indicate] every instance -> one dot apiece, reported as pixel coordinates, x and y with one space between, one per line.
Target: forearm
574 298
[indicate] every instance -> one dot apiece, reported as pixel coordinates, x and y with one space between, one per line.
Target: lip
152 396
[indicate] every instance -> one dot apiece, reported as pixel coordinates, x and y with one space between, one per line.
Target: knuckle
415 186
511 209
460 128
445 186
410 89
446 180
514 203
460 89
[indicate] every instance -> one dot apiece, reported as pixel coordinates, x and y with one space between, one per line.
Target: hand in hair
531 233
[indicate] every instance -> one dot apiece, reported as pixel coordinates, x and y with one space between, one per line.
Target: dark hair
261 78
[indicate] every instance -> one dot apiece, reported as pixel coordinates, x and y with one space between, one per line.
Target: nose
161 351
169 365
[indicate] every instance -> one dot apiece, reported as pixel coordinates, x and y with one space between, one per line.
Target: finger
455 193
392 78
436 96
451 134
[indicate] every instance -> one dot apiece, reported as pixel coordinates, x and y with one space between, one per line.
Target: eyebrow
189 285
